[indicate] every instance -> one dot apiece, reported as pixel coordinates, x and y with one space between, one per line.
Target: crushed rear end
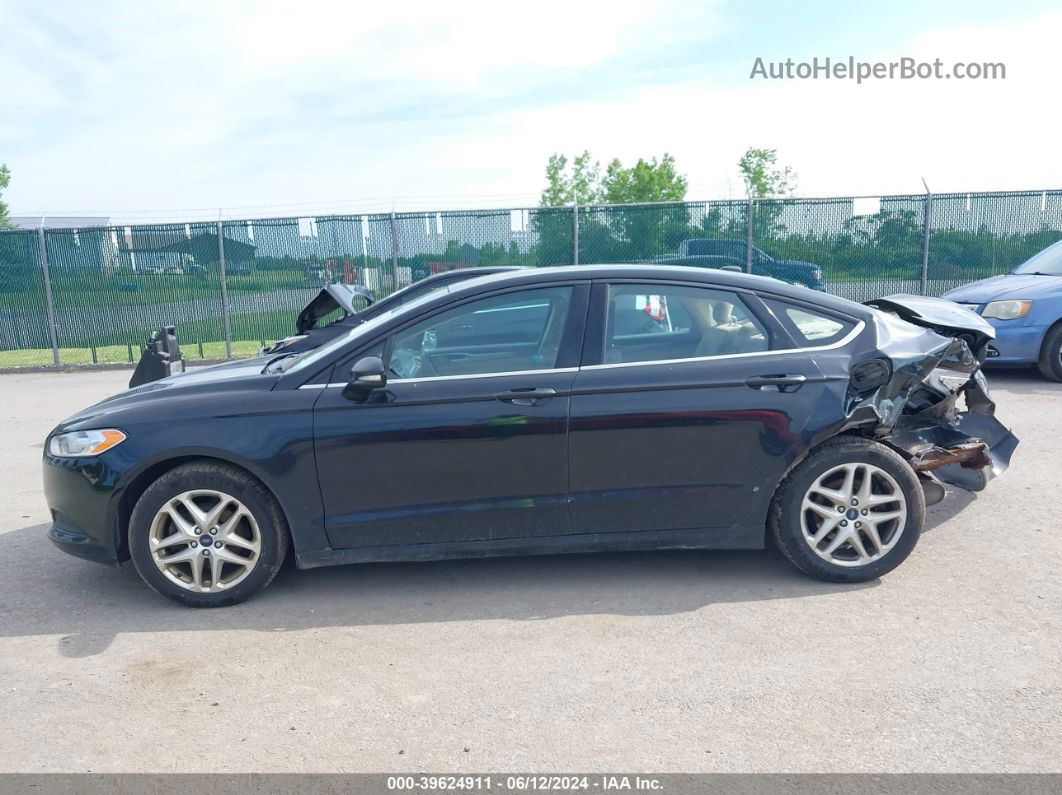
909 397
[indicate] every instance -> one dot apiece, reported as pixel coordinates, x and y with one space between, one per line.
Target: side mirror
366 375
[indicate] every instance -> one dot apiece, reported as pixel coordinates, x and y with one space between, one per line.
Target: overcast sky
136 109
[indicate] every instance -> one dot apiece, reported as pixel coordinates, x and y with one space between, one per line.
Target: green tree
579 184
646 231
614 232
645 181
763 176
5 180
766 180
565 184
580 180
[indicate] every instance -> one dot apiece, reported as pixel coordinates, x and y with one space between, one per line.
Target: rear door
687 418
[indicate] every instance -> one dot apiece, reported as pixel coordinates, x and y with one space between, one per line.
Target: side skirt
714 538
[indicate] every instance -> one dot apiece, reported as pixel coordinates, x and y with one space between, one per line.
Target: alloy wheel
853 514
205 541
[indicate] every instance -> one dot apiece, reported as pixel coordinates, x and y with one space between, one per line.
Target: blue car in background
1025 307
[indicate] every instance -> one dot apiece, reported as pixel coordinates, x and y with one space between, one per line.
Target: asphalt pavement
660 662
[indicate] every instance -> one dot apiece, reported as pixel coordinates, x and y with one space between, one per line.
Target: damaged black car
548 410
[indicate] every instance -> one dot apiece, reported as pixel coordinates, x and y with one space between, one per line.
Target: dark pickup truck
708 253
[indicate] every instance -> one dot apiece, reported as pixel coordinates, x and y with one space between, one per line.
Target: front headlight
78 444
1007 310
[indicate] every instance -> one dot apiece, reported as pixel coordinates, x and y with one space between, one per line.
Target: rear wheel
852 511
207 535
1050 362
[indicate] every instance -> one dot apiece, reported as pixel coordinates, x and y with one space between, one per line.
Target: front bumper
1015 343
79 492
72 540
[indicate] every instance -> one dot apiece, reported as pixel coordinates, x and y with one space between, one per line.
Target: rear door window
661 322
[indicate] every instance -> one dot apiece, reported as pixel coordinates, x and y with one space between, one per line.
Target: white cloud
145 107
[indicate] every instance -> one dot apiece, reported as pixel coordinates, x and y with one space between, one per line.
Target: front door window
512 332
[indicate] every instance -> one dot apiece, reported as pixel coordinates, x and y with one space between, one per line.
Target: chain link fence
82 296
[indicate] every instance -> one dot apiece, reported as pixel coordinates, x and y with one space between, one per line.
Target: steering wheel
406 364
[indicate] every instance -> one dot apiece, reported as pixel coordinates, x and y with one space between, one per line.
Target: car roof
657 272
384 304
467 273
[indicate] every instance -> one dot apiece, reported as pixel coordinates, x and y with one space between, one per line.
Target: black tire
1050 362
272 528
785 520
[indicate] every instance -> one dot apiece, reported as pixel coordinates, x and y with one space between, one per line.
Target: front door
468 441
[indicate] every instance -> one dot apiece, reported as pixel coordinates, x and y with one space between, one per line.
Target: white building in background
78 242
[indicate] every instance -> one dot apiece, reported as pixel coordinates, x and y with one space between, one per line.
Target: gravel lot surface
691 661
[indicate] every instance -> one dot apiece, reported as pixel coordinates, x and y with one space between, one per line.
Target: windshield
404 296
1048 262
364 331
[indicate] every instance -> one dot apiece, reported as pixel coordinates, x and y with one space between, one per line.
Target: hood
240 376
227 380
1016 285
940 315
237 375
332 297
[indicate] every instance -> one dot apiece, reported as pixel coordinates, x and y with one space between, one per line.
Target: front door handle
526 396
776 382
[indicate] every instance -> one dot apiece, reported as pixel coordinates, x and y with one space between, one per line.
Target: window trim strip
851 335
506 374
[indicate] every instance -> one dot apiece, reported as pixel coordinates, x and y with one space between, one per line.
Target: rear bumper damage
963 448
915 408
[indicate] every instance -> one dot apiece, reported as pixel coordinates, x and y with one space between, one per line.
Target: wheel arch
848 433
133 490
1047 333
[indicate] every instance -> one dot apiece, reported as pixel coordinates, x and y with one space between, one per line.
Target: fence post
225 319
48 296
394 251
750 211
926 220
575 232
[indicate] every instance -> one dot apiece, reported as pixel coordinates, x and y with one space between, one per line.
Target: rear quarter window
810 328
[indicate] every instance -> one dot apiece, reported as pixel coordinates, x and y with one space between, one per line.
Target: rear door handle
776 383
526 396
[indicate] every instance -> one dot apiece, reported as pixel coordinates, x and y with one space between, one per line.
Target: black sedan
541 411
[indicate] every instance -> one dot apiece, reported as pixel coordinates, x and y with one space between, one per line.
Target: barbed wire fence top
94 294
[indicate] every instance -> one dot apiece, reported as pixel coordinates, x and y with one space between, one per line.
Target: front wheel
207 535
1050 362
851 512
